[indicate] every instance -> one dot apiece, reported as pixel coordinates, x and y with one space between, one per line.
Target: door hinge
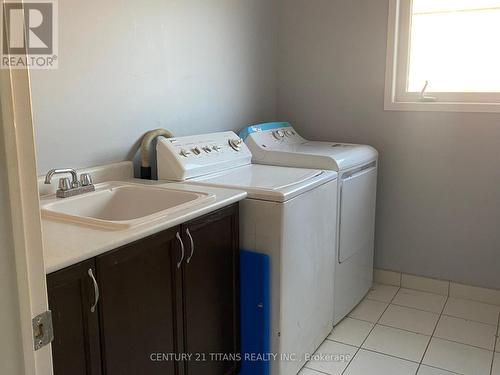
43 333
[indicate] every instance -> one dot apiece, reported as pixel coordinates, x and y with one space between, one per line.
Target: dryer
286 215
280 144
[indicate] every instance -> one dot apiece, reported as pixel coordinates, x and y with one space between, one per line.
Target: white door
22 274
357 212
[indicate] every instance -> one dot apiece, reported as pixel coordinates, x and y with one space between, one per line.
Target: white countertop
66 243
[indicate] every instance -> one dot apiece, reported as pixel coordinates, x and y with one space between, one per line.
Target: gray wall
198 66
126 67
11 359
439 185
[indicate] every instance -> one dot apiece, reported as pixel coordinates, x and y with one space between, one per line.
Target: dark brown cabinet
76 347
173 293
137 306
210 286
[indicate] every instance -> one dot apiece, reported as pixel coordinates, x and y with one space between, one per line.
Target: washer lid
270 183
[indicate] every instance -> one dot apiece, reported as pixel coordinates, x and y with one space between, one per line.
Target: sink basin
118 205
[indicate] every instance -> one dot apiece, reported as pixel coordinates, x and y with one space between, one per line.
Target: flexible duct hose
145 145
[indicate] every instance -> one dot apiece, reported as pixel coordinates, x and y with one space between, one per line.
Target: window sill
391 105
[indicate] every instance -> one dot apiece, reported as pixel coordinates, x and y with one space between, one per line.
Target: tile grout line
400 329
420 363
433 332
461 343
441 314
391 355
449 282
448 294
431 335
469 320
409 360
371 330
443 369
473 300
415 333
416 308
318 371
426 291
495 346
394 356
433 312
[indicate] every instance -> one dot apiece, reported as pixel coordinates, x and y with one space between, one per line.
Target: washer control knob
279 134
207 149
216 148
289 133
196 150
235 143
184 153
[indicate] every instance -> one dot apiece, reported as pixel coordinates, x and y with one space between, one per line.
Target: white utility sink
118 205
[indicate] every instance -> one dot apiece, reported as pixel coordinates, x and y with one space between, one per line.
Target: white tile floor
398 331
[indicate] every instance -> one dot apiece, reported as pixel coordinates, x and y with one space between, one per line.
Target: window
443 55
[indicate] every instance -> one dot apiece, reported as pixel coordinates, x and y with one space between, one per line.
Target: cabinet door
138 318
76 348
211 292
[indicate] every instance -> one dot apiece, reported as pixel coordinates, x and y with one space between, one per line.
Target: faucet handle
85 179
64 184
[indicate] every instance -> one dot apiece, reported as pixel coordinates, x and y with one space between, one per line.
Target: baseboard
443 287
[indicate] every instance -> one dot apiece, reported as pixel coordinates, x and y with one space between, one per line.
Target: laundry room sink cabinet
173 293
76 345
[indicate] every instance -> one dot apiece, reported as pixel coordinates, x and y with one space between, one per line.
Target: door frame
23 195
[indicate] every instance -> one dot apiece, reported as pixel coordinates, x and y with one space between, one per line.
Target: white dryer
280 144
286 215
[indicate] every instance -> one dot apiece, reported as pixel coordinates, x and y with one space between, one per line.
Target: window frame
397 66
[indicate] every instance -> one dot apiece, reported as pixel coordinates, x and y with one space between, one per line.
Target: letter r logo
32 29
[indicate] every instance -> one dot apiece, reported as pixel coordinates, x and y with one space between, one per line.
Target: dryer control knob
279 134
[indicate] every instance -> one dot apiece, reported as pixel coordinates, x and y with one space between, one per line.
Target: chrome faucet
74 176
71 188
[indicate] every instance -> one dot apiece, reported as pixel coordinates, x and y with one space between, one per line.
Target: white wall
11 350
130 66
439 196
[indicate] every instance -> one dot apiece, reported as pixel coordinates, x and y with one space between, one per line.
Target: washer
286 215
280 144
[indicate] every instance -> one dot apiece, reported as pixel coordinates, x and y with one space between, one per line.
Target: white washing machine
280 144
286 215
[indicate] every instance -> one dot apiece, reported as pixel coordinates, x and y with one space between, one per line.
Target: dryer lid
343 155
277 144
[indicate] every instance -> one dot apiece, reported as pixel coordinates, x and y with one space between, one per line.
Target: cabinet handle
192 245
178 236
96 290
